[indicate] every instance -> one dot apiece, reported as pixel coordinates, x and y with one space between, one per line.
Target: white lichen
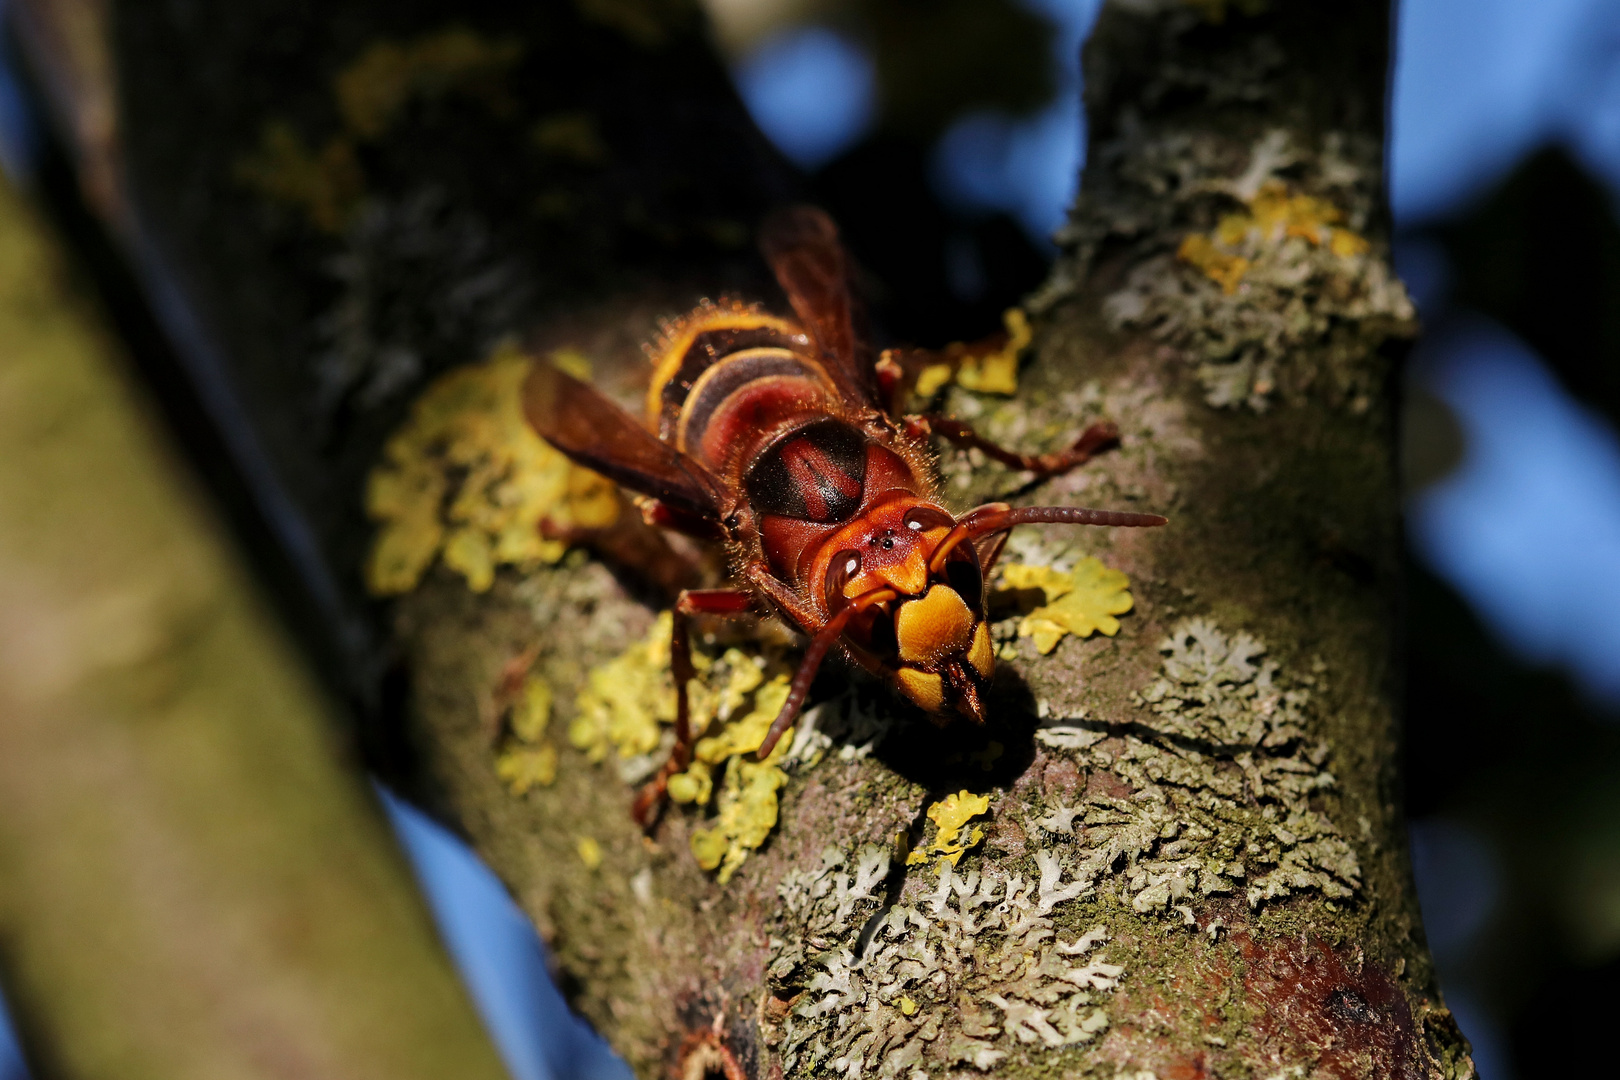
921 989
1220 781
1207 792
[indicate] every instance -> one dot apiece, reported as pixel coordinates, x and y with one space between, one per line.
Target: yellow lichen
647 23
590 852
735 697
325 184
1273 216
370 93
950 815
747 814
743 736
1224 269
747 807
932 378
626 699
988 373
374 88
695 785
997 372
522 768
572 136
466 476
1081 602
530 760
532 710
907 1006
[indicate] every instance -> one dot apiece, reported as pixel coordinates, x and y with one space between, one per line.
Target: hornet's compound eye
845 565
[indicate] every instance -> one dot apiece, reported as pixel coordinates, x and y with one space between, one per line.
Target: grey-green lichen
1282 296
1209 794
972 969
1220 781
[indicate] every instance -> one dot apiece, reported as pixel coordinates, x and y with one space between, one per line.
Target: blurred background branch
193 879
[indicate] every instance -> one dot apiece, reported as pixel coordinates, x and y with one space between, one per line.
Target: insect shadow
962 755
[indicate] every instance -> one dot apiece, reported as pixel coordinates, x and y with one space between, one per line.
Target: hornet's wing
577 419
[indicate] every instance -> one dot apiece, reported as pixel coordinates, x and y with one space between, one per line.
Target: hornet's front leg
650 800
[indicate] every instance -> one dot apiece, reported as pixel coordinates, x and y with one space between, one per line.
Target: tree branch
1189 855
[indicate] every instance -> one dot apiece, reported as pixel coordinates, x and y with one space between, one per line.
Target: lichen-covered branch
1177 849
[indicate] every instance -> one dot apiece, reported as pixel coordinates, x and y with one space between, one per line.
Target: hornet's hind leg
1092 441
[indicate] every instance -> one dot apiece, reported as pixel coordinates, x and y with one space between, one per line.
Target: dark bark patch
1059 781
1308 995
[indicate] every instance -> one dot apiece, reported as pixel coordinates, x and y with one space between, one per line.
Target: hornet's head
928 635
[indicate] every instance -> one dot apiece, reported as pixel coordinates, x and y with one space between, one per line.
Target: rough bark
1239 841
194 879
1194 861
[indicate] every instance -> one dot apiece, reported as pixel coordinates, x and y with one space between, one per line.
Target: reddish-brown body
772 435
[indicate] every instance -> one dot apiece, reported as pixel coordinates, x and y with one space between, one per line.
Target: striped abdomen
729 383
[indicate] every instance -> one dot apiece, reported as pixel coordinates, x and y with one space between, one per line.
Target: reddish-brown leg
650 799
704 1054
1093 440
820 644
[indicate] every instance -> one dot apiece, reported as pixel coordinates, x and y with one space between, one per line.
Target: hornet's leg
823 641
1093 440
650 800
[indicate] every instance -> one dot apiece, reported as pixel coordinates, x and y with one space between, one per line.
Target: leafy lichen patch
968 975
1212 795
747 812
466 479
994 372
529 760
628 703
374 88
1274 292
1259 232
950 816
1209 795
1083 601
325 183
626 700
370 93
